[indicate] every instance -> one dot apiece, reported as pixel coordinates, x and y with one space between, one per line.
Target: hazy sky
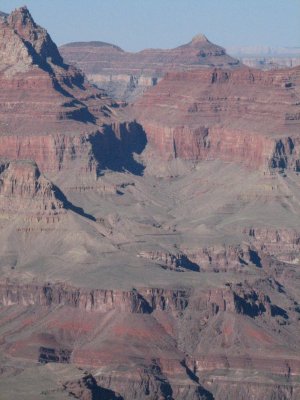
137 24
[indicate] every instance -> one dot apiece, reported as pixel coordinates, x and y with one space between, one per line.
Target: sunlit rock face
127 75
148 251
247 116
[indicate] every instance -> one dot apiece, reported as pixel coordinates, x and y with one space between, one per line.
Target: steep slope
126 75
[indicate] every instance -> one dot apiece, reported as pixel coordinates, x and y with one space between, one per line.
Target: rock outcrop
87 388
125 76
48 110
148 251
182 324
24 189
247 116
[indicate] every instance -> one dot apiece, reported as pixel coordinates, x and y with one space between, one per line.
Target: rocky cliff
24 189
149 251
127 75
182 324
246 116
49 112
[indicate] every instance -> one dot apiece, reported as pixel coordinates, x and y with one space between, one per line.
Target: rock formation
246 116
147 251
23 188
125 76
48 110
195 333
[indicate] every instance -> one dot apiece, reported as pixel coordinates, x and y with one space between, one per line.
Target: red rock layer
150 332
248 116
108 59
49 113
24 189
143 301
126 75
51 152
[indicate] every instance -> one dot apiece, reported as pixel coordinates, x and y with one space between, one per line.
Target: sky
138 24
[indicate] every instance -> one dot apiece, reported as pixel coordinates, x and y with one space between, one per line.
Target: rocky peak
34 79
203 49
200 38
21 17
125 75
36 38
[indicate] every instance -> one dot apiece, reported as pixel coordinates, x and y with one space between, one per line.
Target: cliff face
23 188
98 323
248 116
34 37
49 112
127 75
147 245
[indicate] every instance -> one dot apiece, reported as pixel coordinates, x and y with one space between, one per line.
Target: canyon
125 76
222 114
148 250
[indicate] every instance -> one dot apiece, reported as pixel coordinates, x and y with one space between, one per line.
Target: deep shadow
37 58
140 304
69 206
278 311
115 147
47 354
99 392
255 258
81 114
204 394
201 391
76 78
154 370
57 86
189 372
249 305
185 262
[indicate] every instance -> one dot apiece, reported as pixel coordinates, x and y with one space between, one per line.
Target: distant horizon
135 25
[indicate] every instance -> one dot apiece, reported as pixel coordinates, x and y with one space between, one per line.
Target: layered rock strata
48 110
24 189
124 252
127 75
245 116
182 366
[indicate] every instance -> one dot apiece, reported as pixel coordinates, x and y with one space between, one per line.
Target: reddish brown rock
204 115
126 75
24 190
48 110
183 286
117 332
87 389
